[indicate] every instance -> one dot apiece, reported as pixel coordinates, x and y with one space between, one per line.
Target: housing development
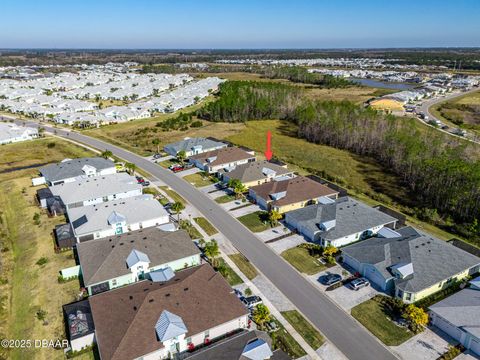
211 181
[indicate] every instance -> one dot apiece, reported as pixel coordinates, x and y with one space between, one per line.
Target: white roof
257 350
135 257
169 326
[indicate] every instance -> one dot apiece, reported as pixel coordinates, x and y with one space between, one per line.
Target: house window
114 282
408 296
440 285
207 334
189 340
140 225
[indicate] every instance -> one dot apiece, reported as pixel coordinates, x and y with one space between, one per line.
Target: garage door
374 276
450 329
354 264
475 346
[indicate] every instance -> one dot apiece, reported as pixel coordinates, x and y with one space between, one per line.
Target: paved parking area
426 345
287 243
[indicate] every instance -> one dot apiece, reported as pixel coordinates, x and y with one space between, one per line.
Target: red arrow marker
268 153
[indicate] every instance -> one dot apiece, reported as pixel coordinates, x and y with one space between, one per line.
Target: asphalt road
343 331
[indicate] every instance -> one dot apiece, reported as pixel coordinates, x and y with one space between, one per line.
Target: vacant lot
28 286
301 260
374 317
256 221
304 328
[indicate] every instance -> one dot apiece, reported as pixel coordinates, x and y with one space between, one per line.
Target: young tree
330 250
261 315
417 317
237 187
273 217
182 156
211 251
107 154
156 142
177 208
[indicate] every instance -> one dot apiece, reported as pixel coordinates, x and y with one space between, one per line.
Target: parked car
359 283
140 180
238 293
145 183
252 301
176 168
331 279
157 156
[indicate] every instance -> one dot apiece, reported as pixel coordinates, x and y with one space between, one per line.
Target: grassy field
304 328
244 265
256 221
301 260
199 179
29 287
224 199
228 273
206 226
373 316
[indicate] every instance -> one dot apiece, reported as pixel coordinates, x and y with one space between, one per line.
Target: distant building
12 133
193 146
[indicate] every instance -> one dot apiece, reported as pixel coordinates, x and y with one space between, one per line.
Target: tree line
299 74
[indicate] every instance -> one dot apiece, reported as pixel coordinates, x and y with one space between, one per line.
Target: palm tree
181 156
274 216
107 154
261 315
211 251
237 187
131 168
177 208
157 143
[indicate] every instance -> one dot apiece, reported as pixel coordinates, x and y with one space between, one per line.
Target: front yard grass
224 199
227 272
167 163
191 230
199 179
304 328
206 226
301 260
244 265
374 316
173 194
256 221
281 339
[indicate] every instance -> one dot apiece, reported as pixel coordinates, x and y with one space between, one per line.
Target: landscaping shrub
42 261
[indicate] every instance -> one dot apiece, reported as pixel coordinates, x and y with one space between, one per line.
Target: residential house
95 190
338 222
408 264
156 320
193 146
124 259
459 316
79 324
221 159
12 133
71 170
256 173
116 217
290 194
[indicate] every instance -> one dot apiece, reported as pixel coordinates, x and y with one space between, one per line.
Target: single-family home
193 146
95 190
459 316
159 319
290 194
224 158
124 259
408 264
12 133
256 173
338 222
72 169
116 217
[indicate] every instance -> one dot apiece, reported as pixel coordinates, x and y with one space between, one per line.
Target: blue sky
155 24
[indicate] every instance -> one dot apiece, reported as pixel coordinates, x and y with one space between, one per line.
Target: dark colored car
331 279
252 301
146 183
359 283
157 156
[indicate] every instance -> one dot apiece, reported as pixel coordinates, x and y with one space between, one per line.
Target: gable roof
222 156
104 259
190 143
257 349
350 217
73 168
199 295
461 309
293 190
169 326
257 170
433 260
135 257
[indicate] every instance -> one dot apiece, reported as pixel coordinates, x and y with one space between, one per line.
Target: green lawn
167 163
304 328
228 273
256 221
374 317
281 339
199 179
244 265
224 199
301 260
192 230
206 226
172 194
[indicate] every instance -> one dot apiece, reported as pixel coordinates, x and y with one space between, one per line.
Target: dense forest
442 172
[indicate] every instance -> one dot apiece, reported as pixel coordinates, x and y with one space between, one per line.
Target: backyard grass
191 230
281 339
227 272
199 179
256 221
225 199
301 260
172 194
304 328
374 317
26 287
206 226
244 265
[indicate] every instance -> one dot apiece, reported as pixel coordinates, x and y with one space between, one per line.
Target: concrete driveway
272 233
429 344
287 243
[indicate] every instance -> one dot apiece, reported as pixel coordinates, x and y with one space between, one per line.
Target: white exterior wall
216 168
123 195
84 341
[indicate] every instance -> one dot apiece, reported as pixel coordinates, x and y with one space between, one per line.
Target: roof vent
167 295
134 308
186 289
131 297
150 301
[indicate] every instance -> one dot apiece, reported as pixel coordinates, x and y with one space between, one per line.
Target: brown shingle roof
297 189
125 318
224 156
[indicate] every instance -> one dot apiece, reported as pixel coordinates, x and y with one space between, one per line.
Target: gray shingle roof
73 168
462 310
105 259
254 171
433 260
189 144
350 217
